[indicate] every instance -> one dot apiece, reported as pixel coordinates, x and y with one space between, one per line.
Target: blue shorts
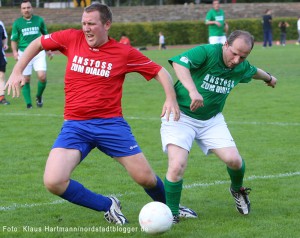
112 136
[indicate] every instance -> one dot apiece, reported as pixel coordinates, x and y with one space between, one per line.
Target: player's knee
146 180
234 163
175 172
43 79
54 186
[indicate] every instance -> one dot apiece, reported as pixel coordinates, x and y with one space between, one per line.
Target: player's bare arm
14 48
185 78
170 105
16 79
213 23
269 79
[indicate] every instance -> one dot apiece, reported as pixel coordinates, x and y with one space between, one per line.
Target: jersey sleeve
139 63
2 33
250 70
14 32
208 16
4 30
190 59
57 40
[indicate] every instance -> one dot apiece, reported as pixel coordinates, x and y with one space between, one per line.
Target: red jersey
94 76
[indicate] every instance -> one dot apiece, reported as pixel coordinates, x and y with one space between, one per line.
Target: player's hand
196 101
218 23
50 54
14 84
16 56
171 107
273 82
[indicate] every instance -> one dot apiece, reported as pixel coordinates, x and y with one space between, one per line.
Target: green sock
173 195
41 88
237 177
26 93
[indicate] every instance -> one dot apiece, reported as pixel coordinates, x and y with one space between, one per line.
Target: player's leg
235 165
26 90
41 85
60 164
177 139
62 161
217 139
114 138
3 101
177 162
236 170
141 172
40 66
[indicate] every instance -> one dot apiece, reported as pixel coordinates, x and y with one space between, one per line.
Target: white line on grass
157 119
253 177
29 114
15 206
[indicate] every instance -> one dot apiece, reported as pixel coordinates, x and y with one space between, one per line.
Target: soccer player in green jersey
217 27
207 74
24 30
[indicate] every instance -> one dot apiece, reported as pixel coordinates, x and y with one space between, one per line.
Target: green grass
265 125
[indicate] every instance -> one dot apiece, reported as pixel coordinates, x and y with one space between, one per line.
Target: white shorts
209 134
38 63
217 39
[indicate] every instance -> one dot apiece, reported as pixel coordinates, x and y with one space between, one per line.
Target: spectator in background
217 27
267 28
283 25
161 41
298 27
3 62
124 39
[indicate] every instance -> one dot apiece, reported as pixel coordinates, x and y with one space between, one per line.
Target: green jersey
219 16
25 31
213 79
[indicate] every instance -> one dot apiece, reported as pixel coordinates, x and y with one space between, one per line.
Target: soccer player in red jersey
95 73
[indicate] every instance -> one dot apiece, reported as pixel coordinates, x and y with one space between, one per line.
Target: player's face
96 33
236 53
216 5
26 10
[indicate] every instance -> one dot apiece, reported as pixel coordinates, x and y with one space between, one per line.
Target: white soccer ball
155 217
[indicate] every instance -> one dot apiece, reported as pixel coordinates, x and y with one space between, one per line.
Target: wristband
268 80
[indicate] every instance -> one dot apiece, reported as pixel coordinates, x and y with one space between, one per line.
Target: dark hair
104 11
248 38
25 1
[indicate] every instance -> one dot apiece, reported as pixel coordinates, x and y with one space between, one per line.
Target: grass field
265 123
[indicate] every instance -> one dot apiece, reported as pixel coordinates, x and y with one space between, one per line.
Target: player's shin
158 192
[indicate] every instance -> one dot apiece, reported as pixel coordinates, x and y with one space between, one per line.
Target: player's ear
107 25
